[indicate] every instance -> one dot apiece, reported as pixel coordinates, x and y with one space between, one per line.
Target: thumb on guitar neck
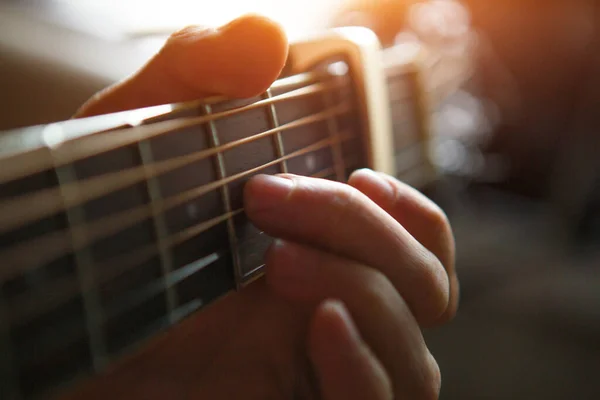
239 59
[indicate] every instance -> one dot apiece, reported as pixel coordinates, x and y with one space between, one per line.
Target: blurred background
520 179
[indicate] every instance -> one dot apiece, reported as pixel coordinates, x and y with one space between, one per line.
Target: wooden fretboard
115 227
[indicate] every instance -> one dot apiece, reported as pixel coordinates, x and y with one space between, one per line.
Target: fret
9 383
274 122
160 228
84 267
261 153
222 175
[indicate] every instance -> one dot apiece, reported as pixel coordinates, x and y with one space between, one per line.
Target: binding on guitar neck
115 227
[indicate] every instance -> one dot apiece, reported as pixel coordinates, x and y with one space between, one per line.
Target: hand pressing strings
358 270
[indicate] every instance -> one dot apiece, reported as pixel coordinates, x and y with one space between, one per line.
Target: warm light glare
138 16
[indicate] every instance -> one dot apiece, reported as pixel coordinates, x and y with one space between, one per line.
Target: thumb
240 59
345 366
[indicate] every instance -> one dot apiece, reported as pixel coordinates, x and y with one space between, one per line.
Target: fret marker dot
53 135
192 210
339 68
311 162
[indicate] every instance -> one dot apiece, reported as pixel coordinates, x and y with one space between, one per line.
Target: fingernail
377 179
264 192
290 265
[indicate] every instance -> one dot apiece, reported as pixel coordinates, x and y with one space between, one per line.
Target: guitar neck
115 227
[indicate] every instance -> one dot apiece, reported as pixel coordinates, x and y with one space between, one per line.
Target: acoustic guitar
116 227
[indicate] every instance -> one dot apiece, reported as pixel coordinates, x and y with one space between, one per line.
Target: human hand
359 269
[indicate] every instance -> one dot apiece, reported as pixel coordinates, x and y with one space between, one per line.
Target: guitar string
25 209
27 306
37 159
119 221
52 200
53 246
327 171
54 242
64 335
59 291
60 150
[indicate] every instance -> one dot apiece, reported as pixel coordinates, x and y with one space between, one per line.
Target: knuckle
432 382
438 223
344 202
345 197
435 288
376 288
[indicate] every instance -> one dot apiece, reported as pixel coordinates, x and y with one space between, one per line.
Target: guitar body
117 227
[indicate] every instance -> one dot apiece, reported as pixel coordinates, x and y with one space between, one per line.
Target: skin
358 269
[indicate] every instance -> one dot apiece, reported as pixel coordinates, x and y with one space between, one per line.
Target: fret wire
336 148
225 196
84 267
69 151
9 378
102 228
28 307
49 201
160 228
277 137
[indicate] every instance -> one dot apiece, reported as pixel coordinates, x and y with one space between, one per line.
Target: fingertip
261 45
453 303
346 367
332 323
262 193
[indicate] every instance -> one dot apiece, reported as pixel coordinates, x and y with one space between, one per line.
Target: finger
421 217
338 218
345 366
240 59
307 275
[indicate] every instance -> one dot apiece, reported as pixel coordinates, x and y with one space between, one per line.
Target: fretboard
116 227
